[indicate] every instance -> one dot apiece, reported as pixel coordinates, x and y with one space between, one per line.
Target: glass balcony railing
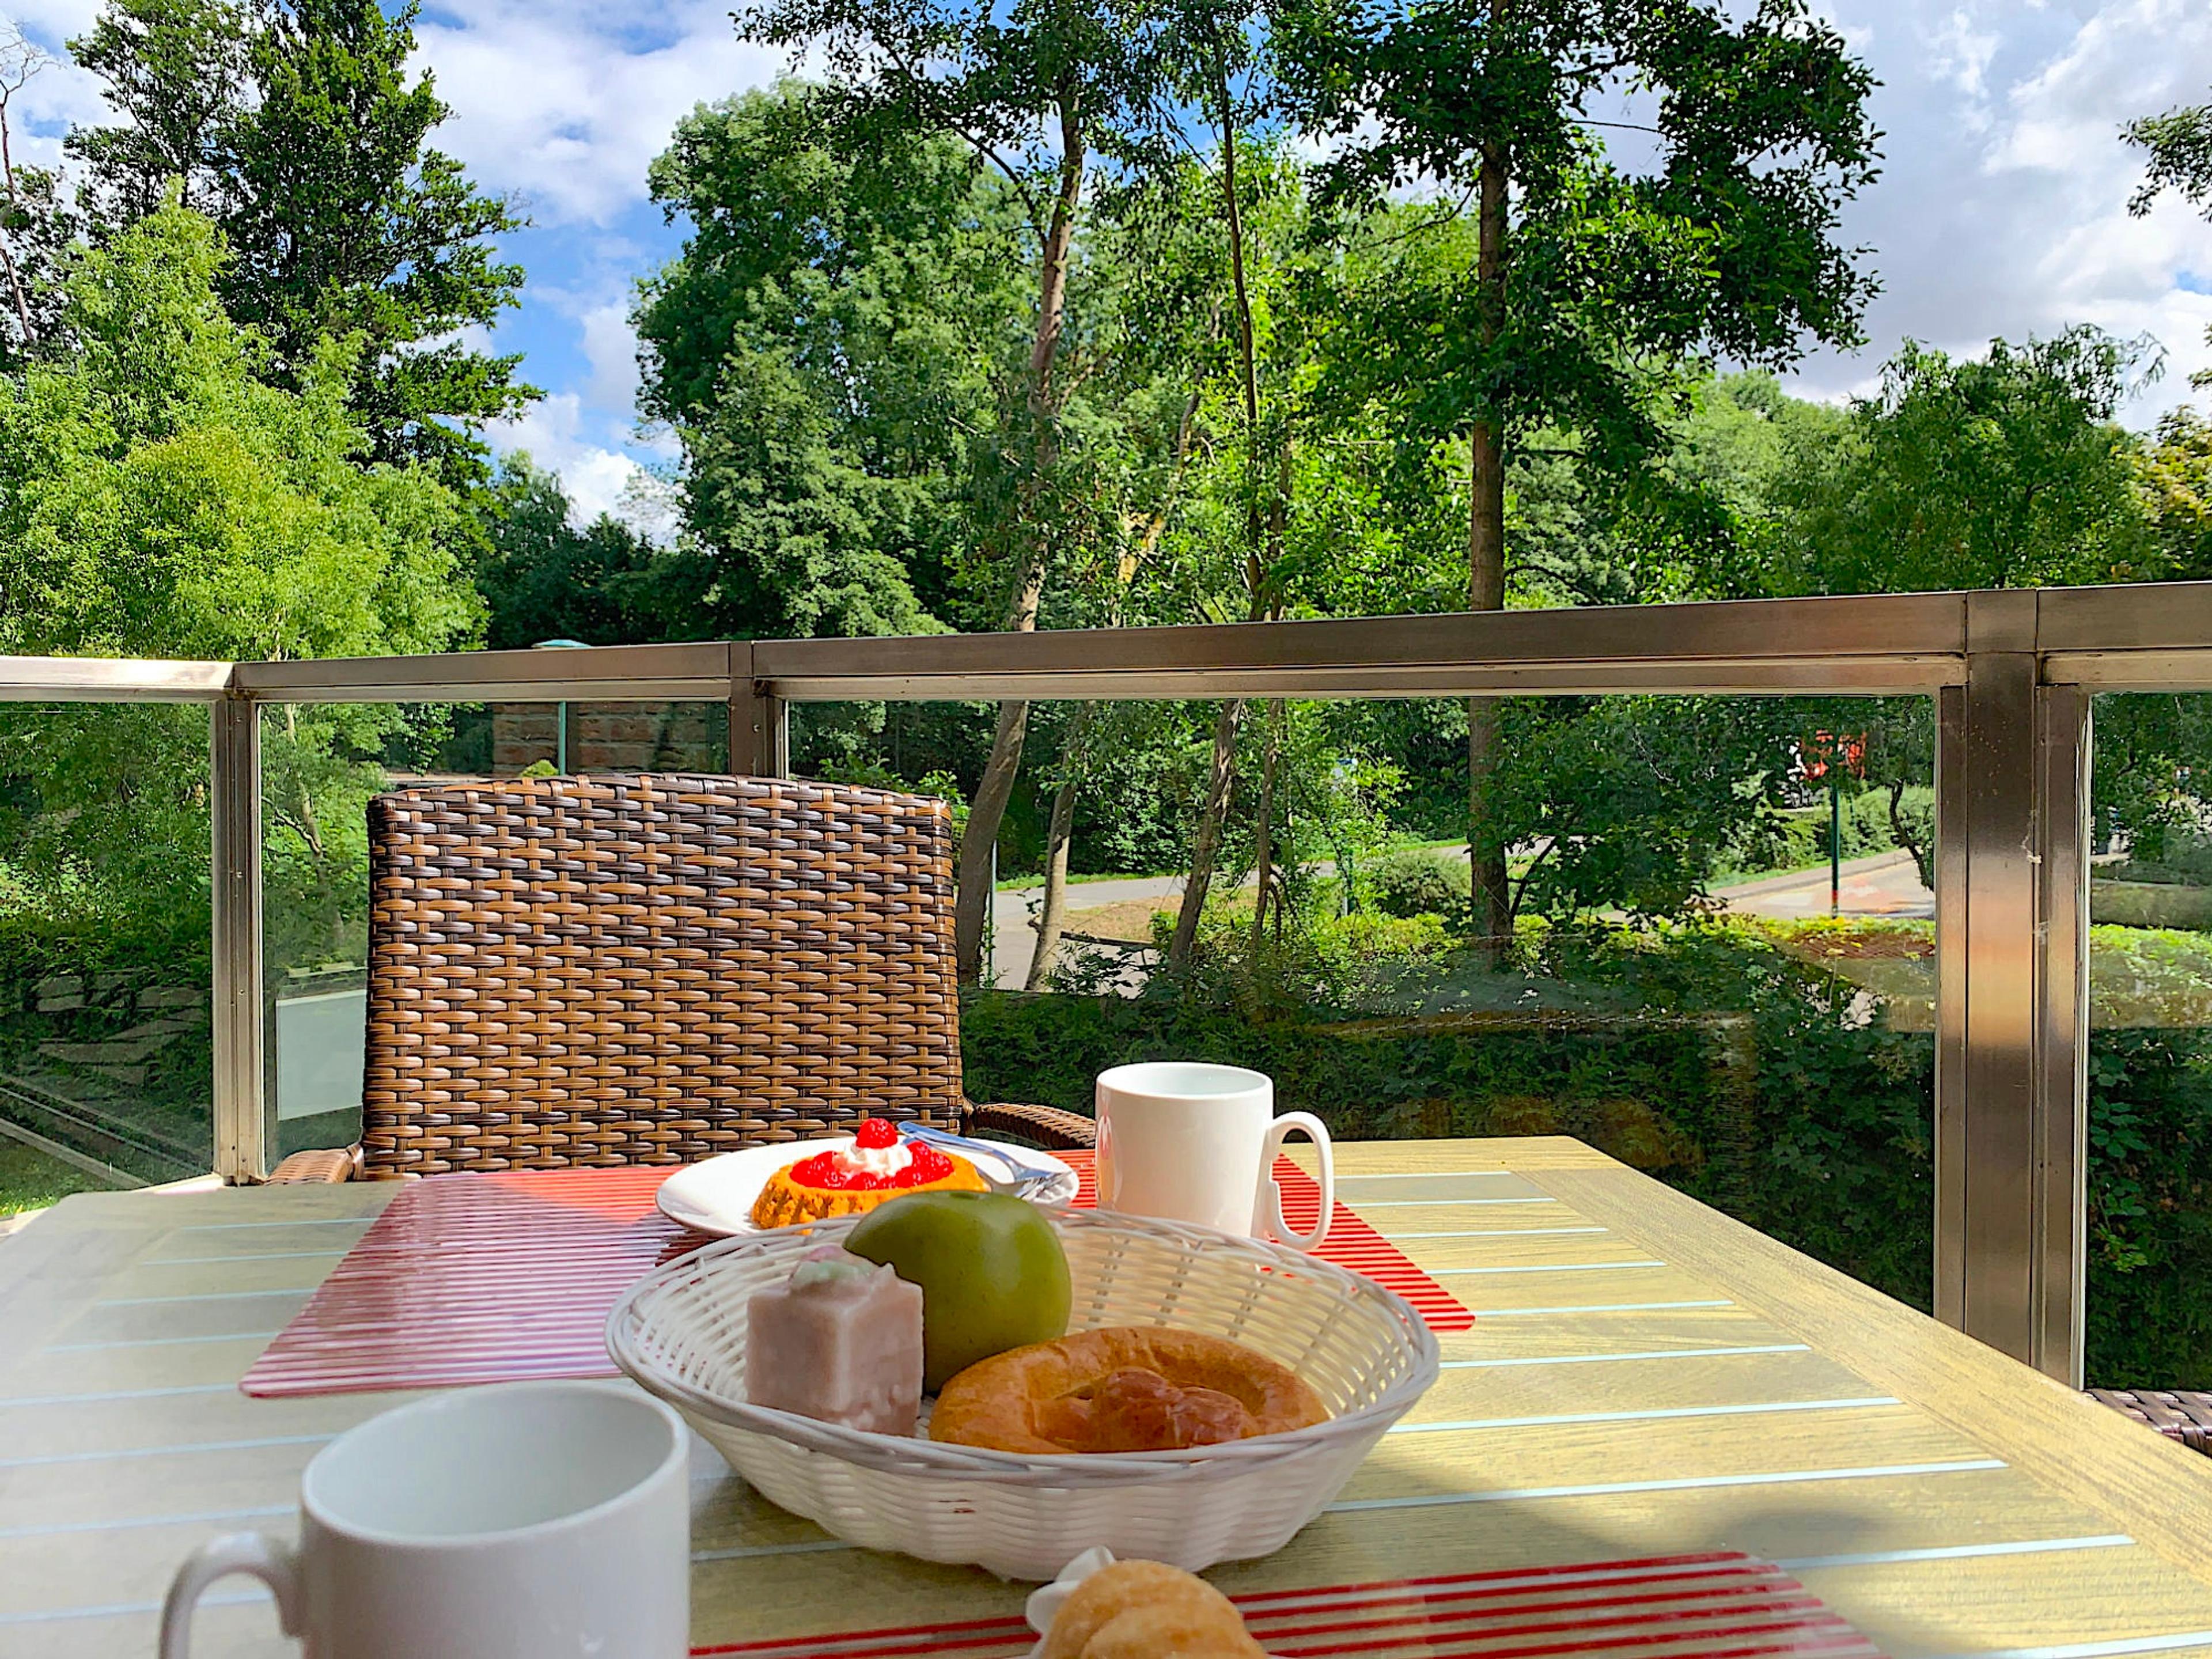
1905 1035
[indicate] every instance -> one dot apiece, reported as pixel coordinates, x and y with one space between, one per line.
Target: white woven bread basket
681 1333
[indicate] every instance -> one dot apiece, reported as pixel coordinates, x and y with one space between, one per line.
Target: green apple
992 1273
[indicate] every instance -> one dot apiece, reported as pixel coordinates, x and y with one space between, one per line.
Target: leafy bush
1419 881
1706 1055
79 982
1796 838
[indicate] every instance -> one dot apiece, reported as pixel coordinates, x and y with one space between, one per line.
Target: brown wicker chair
2184 1415
651 969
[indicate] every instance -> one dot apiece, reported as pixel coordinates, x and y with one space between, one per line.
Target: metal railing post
2062 1049
235 794
2011 938
760 721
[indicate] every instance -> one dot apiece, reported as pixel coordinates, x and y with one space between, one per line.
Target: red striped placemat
1717 1606
498 1278
478 1279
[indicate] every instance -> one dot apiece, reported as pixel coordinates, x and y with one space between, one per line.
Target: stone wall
610 737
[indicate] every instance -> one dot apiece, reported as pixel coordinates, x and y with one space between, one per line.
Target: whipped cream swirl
884 1161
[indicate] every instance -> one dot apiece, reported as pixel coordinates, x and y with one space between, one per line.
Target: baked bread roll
1134 1388
1143 1610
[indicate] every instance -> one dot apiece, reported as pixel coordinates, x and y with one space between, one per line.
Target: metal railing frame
2012 673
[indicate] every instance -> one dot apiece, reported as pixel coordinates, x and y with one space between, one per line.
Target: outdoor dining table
1644 1377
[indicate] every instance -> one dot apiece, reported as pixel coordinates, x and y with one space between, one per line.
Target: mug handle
238 1552
1270 1222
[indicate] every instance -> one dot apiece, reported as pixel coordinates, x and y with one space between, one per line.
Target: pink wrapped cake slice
839 1341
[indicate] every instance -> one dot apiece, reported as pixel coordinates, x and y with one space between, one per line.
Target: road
1884 884
1015 936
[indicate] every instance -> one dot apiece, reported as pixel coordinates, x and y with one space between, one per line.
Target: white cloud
1961 51
2002 206
558 434
555 103
611 347
60 94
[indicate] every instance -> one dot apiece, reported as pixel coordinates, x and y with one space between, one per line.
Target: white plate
715 1195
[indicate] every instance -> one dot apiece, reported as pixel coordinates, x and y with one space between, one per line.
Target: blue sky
2000 211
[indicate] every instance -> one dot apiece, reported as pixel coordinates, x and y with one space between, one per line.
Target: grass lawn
29 1180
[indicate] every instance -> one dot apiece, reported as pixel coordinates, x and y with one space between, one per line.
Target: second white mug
1189 1141
510 1523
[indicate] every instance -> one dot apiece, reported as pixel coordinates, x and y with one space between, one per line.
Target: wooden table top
1645 1377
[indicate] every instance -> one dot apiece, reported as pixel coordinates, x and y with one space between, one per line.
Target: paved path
1014 928
1884 884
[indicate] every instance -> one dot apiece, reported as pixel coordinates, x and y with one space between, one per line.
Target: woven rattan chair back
649 970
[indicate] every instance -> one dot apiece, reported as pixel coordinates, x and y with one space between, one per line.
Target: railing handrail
2137 636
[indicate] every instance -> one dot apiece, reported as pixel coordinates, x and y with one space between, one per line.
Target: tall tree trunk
1907 836
1206 845
972 908
1263 860
1486 575
1053 907
1221 776
7 253
1263 857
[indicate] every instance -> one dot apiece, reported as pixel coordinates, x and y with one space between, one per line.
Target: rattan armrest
327 1167
1040 1125
2181 1415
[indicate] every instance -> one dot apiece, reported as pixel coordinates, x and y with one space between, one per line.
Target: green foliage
77 969
2150 1228
159 498
2001 471
2175 472
1796 838
826 347
1717 1061
1629 802
2179 143
1573 300
1720 1061
1419 881
300 130
544 579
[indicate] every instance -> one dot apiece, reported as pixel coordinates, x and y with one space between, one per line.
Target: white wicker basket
680 1332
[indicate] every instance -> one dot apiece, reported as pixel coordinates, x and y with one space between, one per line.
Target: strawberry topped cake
846 1180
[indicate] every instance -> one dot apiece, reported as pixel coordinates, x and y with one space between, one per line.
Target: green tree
158 498
2175 471
2179 144
826 347
2005 470
297 128
541 578
1043 93
1581 282
179 71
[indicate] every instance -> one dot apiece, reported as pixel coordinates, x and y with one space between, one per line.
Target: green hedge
1733 1072
1760 1101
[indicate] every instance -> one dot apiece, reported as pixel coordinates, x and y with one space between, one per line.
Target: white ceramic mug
521 1521
1188 1142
